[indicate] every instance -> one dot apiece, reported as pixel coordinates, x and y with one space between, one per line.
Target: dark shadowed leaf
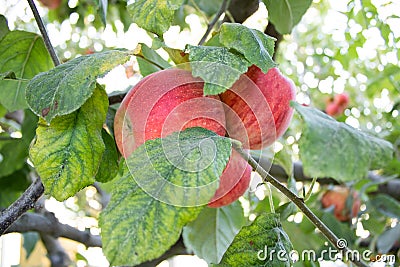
109 166
386 205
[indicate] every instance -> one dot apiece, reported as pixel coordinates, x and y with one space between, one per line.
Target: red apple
50 4
172 100
332 109
234 181
162 103
258 107
342 100
345 207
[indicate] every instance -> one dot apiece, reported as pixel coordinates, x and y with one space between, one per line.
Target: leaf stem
211 25
309 191
43 31
299 202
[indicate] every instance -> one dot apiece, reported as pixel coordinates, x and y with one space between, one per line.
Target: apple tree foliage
56 122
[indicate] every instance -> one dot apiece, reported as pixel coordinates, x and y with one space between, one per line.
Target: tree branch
48 224
43 31
55 252
24 203
177 249
214 21
299 202
391 188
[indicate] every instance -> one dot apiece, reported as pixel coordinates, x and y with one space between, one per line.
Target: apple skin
258 107
50 4
172 100
337 105
162 103
234 181
338 198
333 109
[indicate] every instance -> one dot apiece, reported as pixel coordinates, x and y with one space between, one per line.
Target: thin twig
24 203
211 25
299 202
43 31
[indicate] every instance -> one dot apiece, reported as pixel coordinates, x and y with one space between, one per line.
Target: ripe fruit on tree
234 181
258 107
169 101
50 4
162 103
346 205
337 105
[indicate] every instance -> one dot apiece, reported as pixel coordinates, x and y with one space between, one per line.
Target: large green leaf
151 61
109 164
154 15
136 225
24 54
65 88
332 149
217 66
285 14
14 152
263 243
67 153
210 235
256 46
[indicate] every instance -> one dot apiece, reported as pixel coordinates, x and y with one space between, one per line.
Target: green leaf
332 149
210 235
217 66
386 205
65 88
256 46
15 152
102 5
3 111
30 240
3 26
154 15
24 54
179 163
67 153
177 55
109 166
254 244
152 61
138 224
13 185
285 14
387 240
284 159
